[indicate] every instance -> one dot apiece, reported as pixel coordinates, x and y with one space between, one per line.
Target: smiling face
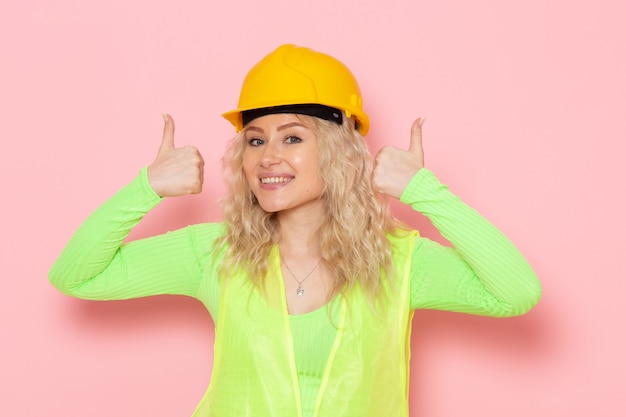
281 163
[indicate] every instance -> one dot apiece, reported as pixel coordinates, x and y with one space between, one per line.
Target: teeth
274 180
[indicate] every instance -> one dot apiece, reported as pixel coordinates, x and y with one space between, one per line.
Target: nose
270 156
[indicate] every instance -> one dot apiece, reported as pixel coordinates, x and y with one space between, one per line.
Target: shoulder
206 231
401 237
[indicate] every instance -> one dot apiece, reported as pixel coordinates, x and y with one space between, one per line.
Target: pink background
526 108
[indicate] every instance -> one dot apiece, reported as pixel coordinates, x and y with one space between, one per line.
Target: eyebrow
280 128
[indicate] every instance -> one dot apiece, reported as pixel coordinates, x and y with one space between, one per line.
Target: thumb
416 137
168 134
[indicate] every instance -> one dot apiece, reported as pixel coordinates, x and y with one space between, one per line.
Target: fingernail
165 117
422 121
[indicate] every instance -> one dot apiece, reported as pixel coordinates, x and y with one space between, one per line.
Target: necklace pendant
300 291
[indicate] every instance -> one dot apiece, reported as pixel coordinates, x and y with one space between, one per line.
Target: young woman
309 279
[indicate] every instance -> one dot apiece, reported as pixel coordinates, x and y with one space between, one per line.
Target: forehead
280 121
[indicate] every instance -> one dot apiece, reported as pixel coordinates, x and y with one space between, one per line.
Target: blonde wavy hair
353 241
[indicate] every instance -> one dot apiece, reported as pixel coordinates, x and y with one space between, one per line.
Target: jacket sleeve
96 263
482 273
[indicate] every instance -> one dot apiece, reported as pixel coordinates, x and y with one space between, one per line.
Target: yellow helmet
294 79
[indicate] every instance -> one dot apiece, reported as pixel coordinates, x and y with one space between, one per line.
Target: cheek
250 178
315 174
248 165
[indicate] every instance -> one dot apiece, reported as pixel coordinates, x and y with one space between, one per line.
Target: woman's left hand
394 167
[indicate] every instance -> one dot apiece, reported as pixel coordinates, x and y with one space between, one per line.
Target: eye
293 139
255 142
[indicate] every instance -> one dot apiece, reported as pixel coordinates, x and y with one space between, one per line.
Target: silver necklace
300 290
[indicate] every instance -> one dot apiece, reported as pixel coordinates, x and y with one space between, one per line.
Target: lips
276 180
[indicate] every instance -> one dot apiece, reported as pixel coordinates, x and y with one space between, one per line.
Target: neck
299 233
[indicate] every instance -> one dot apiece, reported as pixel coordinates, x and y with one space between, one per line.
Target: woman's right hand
175 171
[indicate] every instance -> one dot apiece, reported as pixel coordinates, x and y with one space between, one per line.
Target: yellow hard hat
294 79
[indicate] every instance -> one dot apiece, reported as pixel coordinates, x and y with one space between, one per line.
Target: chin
270 208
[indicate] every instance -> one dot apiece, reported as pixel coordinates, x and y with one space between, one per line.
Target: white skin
284 147
280 162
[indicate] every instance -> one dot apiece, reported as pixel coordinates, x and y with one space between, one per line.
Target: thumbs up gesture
394 167
175 171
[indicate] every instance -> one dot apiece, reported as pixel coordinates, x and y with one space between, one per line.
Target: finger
168 133
416 136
